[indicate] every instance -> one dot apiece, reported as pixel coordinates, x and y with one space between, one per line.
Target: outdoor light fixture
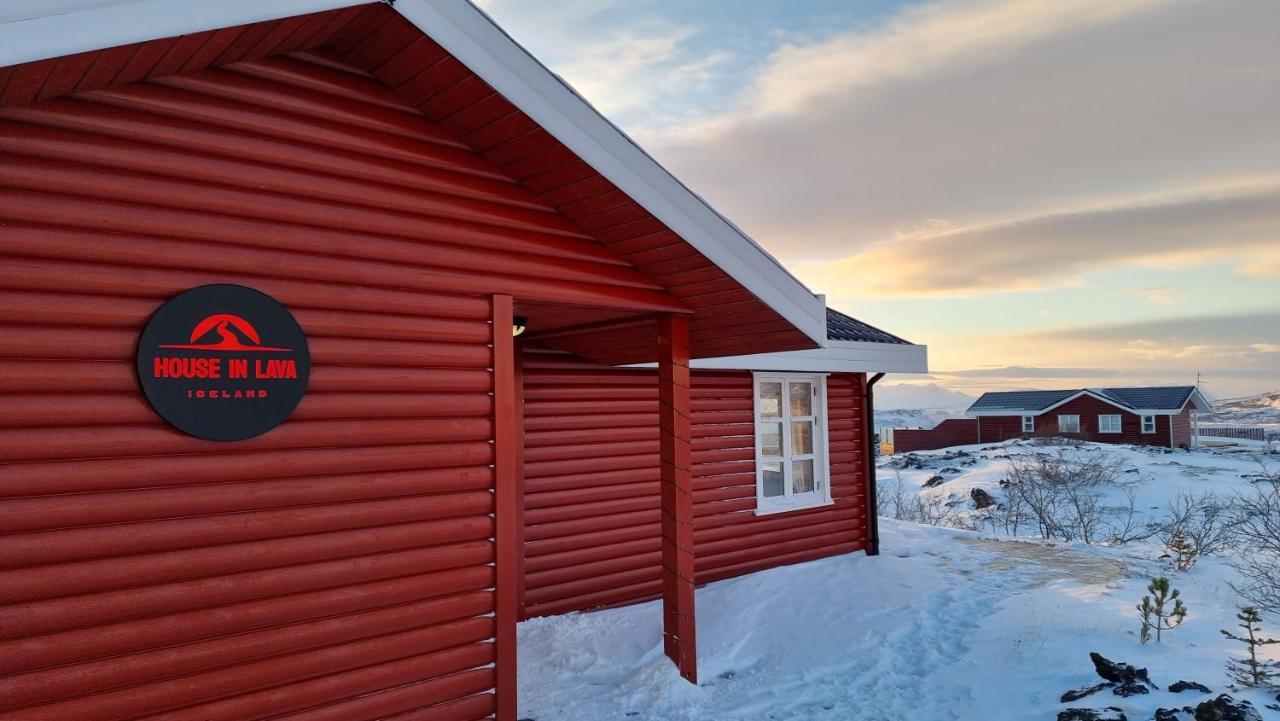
518 324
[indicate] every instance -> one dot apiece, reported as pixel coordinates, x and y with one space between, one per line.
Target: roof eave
478 42
472 37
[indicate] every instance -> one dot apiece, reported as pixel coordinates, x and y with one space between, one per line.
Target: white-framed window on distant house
791 442
1069 424
1109 423
1148 424
1028 424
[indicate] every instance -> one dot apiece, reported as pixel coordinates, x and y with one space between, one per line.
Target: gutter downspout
873 517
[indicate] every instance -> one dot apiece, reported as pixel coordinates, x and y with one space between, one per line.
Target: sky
1055 193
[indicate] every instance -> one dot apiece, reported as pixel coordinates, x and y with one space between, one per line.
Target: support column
679 638
507 505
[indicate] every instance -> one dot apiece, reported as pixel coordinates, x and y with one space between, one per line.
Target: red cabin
404 188
1159 416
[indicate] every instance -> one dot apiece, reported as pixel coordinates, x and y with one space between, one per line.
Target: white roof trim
38 29
477 41
1201 404
835 357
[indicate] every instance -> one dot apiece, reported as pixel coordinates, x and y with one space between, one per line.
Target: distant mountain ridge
1263 408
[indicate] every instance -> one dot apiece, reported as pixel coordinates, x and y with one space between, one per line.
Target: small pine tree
1184 551
1154 611
1251 671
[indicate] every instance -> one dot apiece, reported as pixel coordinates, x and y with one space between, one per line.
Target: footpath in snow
945 624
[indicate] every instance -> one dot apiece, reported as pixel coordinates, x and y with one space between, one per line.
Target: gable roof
847 328
1159 399
1019 400
539 130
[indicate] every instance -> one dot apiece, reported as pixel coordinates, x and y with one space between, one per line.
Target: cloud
1003 145
1031 252
1029 372
1157 295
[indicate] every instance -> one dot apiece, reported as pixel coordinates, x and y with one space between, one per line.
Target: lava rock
981 499
1121 674
1129 689
1225 708
1077 694
1181 686
934 481
1110 713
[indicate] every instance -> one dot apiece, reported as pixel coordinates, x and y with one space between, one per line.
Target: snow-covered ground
944 624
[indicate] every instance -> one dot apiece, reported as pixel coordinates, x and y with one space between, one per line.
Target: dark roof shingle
1157 398
847 328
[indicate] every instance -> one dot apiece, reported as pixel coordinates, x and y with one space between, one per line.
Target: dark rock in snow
934 481
1225 708
1087 714
981 499
1119 673
1166 714
1129 689
1181 686
1077 694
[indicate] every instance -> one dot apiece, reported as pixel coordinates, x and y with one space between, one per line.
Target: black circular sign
223 362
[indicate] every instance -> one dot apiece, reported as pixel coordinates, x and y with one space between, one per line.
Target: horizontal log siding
338 567
592 518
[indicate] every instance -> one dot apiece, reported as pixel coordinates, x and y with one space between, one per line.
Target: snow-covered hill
915 417
943 625
1260 409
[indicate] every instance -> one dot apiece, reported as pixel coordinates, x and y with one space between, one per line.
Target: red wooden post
519 483
679 638
507 502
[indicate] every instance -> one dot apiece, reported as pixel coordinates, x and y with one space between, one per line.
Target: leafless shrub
897 500
1063 493
1127 524
1195 525
1257 518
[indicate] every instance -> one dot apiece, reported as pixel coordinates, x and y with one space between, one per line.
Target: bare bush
1063 493
895 499
1257 530
1196 525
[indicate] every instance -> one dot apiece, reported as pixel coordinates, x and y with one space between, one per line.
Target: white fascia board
41 29
480 44
837 357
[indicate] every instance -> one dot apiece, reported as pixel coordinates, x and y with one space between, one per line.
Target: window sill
772 510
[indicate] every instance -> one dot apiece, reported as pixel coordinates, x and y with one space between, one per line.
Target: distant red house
1159 416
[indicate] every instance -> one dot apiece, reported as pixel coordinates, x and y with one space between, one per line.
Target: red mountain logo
234 333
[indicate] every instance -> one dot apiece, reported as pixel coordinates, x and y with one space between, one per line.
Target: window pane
802 476
771 471
771 400
801 437
771 439
801 399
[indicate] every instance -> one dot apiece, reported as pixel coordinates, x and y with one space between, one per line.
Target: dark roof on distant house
1020 400
847 328
1157 398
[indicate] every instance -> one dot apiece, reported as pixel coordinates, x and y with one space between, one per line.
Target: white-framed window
791 442
1028 424
1109 423
1069 424
1148 424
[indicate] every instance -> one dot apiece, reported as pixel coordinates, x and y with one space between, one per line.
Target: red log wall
340 565
951 432
993 429
592 484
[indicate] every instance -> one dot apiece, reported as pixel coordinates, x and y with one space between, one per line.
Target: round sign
223 362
